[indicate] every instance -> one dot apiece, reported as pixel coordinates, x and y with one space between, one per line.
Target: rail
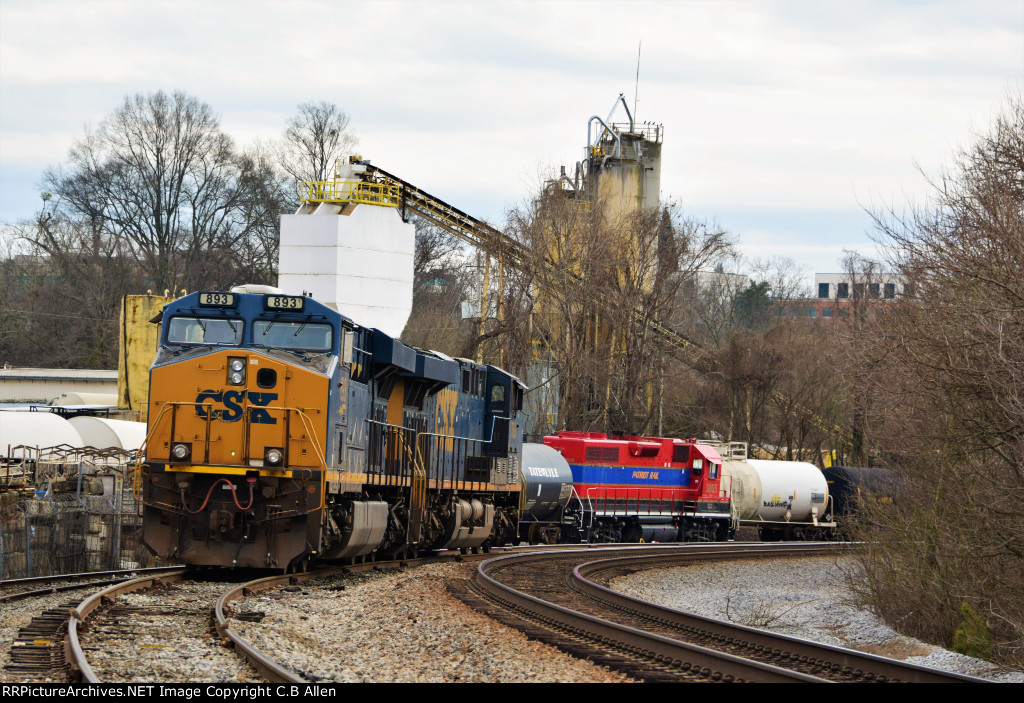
881 668
424 458
76 656
607 635
555 596
631 501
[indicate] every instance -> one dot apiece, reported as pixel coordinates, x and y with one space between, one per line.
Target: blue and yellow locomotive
280 431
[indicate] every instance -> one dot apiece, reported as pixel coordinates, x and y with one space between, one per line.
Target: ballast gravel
401 627
805 598
164 636
404 626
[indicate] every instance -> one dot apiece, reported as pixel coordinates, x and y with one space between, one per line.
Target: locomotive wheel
298 566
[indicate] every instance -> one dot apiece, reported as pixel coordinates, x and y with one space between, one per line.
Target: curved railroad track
555 598
188 618
37 650
553 594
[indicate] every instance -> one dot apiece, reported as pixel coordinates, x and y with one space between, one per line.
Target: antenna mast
636 90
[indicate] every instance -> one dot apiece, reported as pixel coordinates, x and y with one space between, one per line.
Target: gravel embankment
405 627
798 597
402 627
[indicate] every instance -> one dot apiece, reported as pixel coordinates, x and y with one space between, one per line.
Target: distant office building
837 292
719 285
843 286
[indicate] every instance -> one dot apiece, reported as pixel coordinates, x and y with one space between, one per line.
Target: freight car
626 489
784 500
280 432
853 487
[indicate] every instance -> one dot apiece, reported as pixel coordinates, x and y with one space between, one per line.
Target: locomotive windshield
204 330
304 336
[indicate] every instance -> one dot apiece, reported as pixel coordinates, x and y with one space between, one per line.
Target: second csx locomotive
280 431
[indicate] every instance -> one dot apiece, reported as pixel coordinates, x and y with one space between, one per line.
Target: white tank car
785 498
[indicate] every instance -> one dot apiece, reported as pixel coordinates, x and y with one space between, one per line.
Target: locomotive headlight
181 451
236 371
273 456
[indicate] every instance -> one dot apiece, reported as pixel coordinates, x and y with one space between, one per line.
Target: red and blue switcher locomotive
627 489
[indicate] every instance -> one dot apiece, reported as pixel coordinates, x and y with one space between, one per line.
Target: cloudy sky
783 120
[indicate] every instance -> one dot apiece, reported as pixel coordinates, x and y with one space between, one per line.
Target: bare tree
266 196
588 300
945 369
316 137
784 278
441 282
65 286
159 176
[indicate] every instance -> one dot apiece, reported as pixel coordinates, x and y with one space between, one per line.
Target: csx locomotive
280 431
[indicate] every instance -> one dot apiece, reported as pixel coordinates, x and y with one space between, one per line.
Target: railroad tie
38 649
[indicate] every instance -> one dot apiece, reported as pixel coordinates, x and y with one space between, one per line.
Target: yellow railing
383 194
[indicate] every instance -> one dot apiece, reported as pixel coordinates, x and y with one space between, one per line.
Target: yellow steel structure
489 239
381 194
138 340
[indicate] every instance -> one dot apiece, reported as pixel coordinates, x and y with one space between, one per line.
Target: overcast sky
783 120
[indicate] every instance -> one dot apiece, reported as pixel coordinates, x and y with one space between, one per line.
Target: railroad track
37 651
554 598
553 594
188 619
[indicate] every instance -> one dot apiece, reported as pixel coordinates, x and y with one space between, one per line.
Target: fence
86 520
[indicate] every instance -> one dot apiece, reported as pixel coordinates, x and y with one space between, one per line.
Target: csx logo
232 402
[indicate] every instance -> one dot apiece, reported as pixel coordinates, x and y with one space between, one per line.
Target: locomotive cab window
204 330
497 396
306 336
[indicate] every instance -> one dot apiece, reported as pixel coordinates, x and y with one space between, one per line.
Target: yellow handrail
141 453
383 194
